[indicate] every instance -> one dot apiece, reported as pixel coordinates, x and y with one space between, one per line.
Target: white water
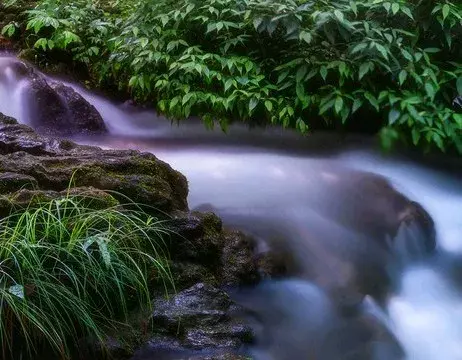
11 91
251 180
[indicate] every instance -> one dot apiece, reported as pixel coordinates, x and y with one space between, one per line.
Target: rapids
263 181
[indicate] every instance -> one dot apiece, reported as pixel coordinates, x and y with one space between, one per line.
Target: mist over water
273 185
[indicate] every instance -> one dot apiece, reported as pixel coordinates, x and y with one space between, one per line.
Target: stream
263 181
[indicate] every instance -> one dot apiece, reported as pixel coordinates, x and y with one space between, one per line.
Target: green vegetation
68 271
362 64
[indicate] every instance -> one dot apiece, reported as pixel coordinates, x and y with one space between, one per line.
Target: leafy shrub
69 271
302 64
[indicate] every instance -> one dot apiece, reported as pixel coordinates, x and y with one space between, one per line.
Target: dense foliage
366 64
68 271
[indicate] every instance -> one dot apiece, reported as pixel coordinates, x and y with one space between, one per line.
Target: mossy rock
53 164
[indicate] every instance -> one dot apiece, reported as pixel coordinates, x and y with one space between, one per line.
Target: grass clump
68 272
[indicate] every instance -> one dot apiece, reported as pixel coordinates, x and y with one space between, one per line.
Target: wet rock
199 239
196 323
11 182
83 116
52 165
369 204
56 108
239 264
51 107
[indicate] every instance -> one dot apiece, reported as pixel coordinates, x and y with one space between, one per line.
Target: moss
7 120
91 198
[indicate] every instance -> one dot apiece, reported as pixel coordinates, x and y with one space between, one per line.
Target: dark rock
199 319
186 274
54 164
368 203
199 238
11 182
56 108
84 117
239 264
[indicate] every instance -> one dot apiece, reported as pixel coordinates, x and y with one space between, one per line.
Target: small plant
68 271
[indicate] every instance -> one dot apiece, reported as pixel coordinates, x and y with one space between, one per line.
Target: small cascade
12 90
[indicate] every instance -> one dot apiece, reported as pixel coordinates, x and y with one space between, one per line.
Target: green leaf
445 11
430 90
326 107
338 104
300 90
356 105
323 72
387 6
312 73
268 105
382 50
402 77
395 8
458 119
211 27
415 136
305 36
301 125
228 84
339 15
186 98
257 22
354 7
174 102
364 69
301 72
253 104
282 76
432 50
372 100
407 55
406 11
438 141
42 42
393 115
459 85
358 48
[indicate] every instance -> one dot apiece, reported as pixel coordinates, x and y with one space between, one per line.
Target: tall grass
68 271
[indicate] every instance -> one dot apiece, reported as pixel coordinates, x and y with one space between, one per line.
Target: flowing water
269 183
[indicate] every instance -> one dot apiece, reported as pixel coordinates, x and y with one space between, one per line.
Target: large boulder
50 164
